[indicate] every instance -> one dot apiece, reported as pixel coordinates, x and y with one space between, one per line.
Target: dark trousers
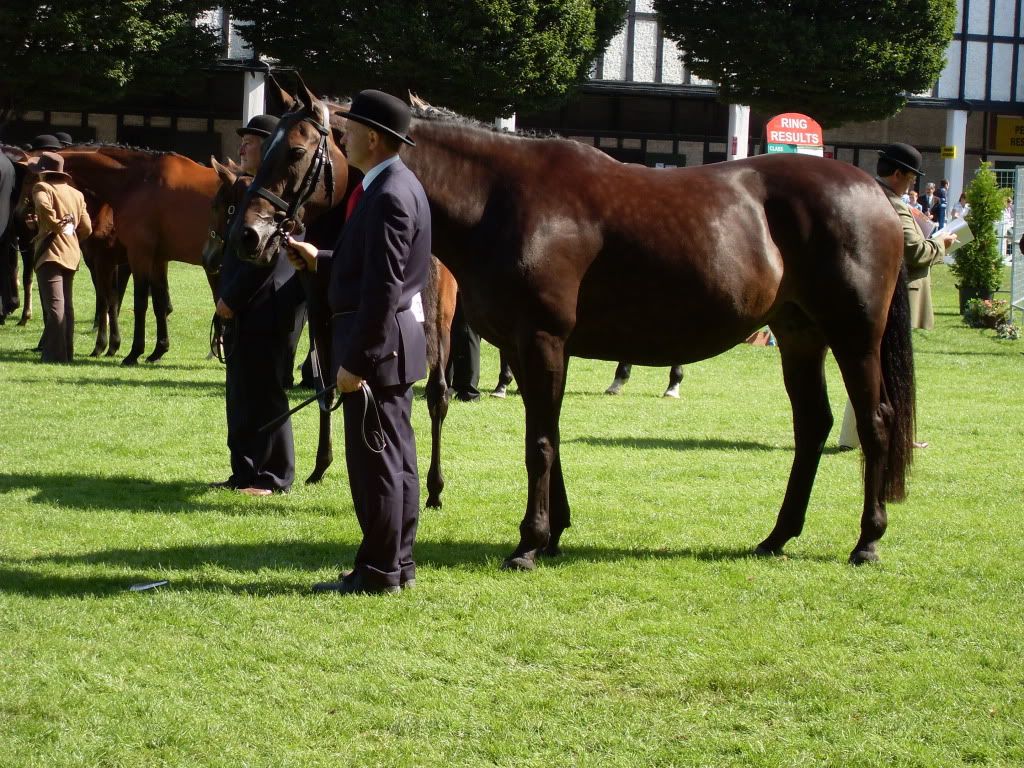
257 367
56 296
9 262
463 371
385 486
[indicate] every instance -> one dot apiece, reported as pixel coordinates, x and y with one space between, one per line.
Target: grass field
655 641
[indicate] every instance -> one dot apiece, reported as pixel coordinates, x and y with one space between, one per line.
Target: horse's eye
296 153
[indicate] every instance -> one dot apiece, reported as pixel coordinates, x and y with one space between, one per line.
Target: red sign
793 128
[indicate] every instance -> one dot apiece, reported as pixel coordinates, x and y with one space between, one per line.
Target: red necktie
353 199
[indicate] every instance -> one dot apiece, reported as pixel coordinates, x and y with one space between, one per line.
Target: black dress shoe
354 584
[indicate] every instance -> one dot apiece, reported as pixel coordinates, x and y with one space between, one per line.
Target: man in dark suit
264 307
379 267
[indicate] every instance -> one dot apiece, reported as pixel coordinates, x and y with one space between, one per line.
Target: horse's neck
457 165
111 179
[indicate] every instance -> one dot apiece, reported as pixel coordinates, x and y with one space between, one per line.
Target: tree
482 57
978 268
835 60
76 52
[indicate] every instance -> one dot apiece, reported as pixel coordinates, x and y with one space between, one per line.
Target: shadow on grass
171 384
689 443
82 360
118 493
34 576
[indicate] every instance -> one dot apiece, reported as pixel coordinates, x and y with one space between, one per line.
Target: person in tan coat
62 221
899 165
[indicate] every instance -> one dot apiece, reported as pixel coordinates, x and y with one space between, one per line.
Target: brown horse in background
159 202
560 250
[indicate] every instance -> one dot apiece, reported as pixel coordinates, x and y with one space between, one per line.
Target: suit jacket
7 192
379 264
52 202
919 254
264 299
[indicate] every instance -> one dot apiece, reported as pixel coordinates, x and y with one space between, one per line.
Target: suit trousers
463 372
257 366
56 296
385 486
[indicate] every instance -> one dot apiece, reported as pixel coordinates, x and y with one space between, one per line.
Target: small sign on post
948 153
794 133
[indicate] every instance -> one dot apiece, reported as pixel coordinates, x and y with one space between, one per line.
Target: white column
506 123
953 169
739 132
252 95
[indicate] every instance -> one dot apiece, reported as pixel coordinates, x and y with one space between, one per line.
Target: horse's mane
97 145
422 110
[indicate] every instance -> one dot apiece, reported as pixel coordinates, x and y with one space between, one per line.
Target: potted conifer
978 267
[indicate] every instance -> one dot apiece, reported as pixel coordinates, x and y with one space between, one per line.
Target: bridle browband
320 165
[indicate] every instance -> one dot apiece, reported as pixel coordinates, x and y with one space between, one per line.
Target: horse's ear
306 95
278 100
226 174
416 102
234 167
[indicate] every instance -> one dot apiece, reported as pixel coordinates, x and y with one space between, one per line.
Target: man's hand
302 255
948 240
348 382
223 310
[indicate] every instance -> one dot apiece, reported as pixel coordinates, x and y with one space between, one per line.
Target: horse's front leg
161 309
540 370
320 333
437 392
141 302
675 378
120 283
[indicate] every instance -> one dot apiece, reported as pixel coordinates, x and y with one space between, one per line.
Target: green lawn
655 641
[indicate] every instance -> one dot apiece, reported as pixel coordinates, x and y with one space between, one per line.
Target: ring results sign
793 132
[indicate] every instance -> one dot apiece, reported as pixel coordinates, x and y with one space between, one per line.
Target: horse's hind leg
438 393
622 372
863 377
540 370
120 278
26 282
675 378
320 338
803 367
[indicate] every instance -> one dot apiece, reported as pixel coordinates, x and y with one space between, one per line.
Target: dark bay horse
160 204
559 250
287 161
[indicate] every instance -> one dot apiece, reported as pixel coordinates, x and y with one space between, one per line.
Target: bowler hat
382 112
261 125
64 138
51 163
903 155
46 141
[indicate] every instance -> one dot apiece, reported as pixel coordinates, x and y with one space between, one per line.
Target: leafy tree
978 268
483 57
77 52
836 60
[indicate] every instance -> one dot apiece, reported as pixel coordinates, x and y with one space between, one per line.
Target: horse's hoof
862 556
129 361
158 352
762 550
520 563
615 388
24 320
111 351
433 501
551 550
499 392
96 352
672 392
316 476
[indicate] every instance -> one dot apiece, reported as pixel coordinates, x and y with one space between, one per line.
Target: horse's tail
899 390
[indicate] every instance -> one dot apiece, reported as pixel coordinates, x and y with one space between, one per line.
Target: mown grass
656 639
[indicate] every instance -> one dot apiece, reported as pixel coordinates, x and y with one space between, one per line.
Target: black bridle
321 165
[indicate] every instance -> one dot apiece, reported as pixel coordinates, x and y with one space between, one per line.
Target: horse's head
297 170
233 186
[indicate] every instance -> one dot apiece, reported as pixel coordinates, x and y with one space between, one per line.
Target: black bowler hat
46 141
903 155
382 112
64 138
261 125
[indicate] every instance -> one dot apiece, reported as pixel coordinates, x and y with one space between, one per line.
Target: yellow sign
949 153
1009 135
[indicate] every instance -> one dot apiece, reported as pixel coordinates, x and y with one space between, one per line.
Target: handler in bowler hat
379 267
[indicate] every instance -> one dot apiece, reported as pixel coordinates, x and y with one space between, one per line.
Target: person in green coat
899 166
